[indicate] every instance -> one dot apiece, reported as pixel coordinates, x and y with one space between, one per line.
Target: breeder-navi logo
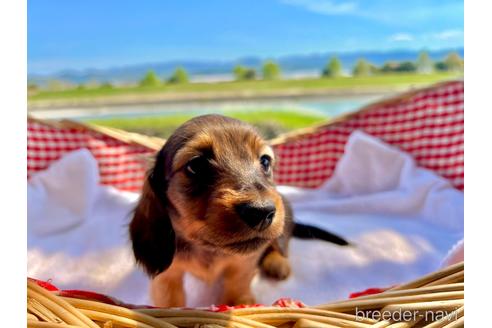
401 315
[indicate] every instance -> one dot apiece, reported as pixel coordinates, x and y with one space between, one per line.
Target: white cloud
436 37
401 37
324 7
448 35
405 15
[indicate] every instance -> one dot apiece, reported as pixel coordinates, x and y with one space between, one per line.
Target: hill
201 70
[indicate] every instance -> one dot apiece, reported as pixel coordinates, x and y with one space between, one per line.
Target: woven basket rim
153 143
439 291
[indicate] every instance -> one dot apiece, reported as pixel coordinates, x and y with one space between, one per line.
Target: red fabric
369 291
225 308
121 165
289 302
428 125
282 302
87 295
45 284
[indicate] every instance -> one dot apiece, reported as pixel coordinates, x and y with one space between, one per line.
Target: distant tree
242 73
238 72
441 66
150 80
454 62
333 68
179 76
250 74
392 66
424 63
271 71
363 68
406 66
374 69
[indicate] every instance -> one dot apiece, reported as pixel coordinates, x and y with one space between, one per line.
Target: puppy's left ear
151 231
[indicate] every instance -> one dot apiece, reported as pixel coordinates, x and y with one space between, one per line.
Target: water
328 107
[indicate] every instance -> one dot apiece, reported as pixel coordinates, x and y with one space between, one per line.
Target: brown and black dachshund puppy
210 207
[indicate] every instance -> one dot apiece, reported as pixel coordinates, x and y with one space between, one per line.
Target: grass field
270 122
255 87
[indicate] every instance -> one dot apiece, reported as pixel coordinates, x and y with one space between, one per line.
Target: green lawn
257 86
270 122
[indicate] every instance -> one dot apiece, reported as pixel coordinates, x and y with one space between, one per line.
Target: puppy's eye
196 166
266 162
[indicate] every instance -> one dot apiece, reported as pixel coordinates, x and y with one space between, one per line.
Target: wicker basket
426 123
435 300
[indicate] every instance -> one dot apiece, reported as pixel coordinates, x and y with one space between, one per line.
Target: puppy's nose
257 217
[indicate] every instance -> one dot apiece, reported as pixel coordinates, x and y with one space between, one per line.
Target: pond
323 106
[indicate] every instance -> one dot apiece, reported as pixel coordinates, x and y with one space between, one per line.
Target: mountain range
308 64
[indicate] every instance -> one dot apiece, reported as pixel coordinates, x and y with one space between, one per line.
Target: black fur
304 231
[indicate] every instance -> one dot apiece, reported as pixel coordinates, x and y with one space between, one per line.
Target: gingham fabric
121 165
429 125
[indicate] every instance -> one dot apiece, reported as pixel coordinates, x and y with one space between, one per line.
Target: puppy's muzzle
255 216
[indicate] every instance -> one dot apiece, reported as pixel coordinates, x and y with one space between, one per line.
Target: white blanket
401 219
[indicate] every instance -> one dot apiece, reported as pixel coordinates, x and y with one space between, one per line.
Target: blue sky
100 34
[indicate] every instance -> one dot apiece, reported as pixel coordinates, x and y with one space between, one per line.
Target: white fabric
402 221
76 230
74 182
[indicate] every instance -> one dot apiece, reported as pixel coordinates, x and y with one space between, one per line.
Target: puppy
209 206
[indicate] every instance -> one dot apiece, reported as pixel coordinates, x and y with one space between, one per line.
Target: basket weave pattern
436 300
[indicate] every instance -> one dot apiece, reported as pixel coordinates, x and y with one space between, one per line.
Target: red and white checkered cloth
429 125
121 165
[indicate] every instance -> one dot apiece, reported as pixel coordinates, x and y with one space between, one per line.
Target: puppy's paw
276 266
246 299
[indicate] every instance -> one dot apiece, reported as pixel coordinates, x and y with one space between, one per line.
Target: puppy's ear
151 232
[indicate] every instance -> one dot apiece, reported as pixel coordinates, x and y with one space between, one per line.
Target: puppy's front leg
237 280
167 288
274 264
